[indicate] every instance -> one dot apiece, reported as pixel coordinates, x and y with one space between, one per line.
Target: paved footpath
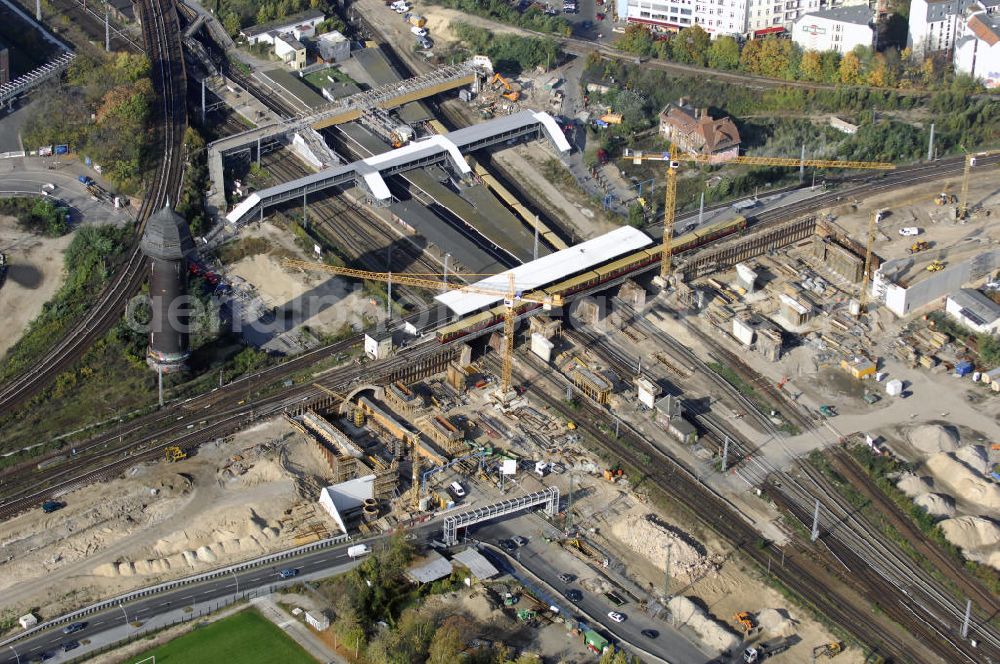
296 630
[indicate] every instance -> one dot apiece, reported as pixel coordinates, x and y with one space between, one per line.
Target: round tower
167 243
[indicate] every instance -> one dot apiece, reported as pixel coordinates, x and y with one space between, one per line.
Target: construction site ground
706 574
35 274
324 303
950 240
165 520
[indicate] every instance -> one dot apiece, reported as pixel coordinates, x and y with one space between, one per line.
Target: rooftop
429 568
548 269
167 236
857 14
480 567
985 27
976 306
283 23
714 134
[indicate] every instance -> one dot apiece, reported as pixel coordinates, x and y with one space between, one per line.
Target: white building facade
933 25
977 50
840 29
716 17
299 25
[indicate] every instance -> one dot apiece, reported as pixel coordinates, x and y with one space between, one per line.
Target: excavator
936 266
918 246
512 93
827 650
745 621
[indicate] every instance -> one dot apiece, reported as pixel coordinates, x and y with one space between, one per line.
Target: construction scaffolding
445 435
594 385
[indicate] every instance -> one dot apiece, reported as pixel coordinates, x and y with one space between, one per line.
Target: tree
750 57
445 646
690 46
831 66
724 53
264 14
231 22
850 69
636 215
637 39
811 66
619 657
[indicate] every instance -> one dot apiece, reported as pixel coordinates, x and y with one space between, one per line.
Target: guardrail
170 585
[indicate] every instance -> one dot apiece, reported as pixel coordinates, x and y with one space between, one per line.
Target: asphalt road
545 562
258 579
29 174
115 623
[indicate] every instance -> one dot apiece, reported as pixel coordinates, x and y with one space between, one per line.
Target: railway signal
674 157
511 297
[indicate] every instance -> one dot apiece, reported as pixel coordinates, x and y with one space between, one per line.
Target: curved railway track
162 37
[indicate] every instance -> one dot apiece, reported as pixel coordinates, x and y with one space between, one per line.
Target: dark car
288 572
75 627
507 545
50 506
70 645
650 633
574 595
600 17
566 578
520 541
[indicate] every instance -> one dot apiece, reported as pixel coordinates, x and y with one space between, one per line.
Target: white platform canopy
549 269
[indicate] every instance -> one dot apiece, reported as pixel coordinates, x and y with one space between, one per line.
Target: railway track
874 567
824 591
192 422
163 45
356 232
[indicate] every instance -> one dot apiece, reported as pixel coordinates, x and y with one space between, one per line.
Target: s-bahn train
589 279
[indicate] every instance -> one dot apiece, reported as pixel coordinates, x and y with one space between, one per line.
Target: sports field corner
247 637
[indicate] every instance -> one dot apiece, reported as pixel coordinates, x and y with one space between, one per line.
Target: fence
170 585
194 615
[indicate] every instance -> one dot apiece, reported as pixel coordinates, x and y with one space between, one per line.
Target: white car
617 617
420 32
402 9
909 231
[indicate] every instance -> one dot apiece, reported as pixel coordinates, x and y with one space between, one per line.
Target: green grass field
247 637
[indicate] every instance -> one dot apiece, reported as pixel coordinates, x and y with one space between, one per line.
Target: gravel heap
651 540
713 635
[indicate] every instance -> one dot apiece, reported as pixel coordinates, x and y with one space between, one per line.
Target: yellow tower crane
873 219
510 299
674 158
970 162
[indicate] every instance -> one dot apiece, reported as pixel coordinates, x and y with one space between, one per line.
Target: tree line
786 60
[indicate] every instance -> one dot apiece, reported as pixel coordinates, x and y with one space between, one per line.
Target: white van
457 490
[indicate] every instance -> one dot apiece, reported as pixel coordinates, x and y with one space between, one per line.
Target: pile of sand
651 540
978 538
914 486
228 532
712 634
933 438
776 622
936 504
964 484
975 457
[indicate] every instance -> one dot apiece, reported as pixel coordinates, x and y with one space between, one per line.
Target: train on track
590 278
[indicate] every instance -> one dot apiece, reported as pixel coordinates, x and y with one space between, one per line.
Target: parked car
457 490
425 43
507 545
617 617
650 633
420 32
566 578
288 572
600 17
909 231
574 595
70 645
521 541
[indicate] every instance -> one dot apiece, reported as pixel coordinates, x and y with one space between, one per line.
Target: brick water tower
167 243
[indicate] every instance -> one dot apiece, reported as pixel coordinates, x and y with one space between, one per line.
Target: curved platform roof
549 269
